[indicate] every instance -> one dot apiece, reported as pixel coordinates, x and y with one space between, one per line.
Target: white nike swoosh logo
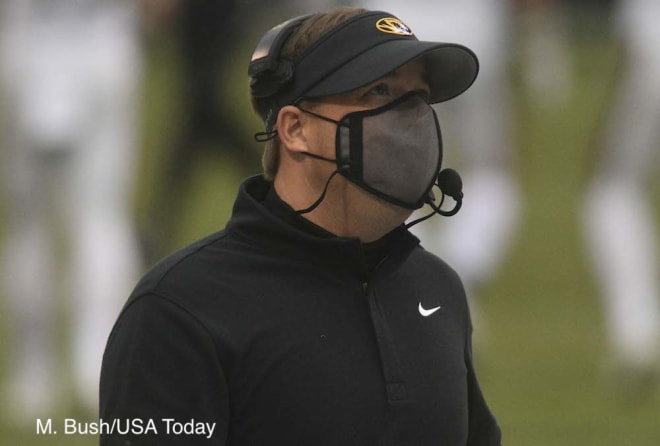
426 313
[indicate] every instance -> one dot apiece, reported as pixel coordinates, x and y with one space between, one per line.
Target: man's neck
337 214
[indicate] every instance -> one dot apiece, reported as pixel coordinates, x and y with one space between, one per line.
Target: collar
282 210
261 216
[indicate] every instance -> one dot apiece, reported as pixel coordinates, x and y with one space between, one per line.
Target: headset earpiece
267 83
267 71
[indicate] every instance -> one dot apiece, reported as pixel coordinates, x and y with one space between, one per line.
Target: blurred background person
208 38
205 36
619 224
480 130
69 78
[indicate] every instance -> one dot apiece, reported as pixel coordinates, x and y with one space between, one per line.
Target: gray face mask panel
394 151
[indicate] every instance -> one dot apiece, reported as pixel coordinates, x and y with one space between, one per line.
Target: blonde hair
302 38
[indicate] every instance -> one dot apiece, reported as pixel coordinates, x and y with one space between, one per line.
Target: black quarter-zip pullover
282 334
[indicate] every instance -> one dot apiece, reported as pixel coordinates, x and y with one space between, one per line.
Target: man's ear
290 128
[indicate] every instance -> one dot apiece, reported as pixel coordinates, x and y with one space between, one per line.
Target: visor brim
451 68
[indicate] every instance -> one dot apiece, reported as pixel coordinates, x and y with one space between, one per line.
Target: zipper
395 387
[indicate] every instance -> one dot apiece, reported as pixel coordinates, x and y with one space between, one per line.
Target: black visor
370 46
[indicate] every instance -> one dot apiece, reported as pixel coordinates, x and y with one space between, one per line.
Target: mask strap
316 115
271 134
265 136
318 157
436 210
320 199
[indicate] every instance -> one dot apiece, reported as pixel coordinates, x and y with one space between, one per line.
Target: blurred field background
541 353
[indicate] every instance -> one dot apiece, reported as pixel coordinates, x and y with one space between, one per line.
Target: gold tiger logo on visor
393 25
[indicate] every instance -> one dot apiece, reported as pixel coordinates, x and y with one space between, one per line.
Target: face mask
393 151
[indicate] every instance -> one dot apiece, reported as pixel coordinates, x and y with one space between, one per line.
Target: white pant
70 95
619 226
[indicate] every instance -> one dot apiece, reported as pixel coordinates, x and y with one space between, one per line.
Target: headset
268 72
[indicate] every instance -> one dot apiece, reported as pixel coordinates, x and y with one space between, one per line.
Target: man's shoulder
426 260
186 267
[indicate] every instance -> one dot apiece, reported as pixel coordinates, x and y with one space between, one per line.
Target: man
620 229
314 317
69 82
205 35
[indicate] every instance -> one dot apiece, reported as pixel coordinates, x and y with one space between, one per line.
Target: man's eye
380 90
